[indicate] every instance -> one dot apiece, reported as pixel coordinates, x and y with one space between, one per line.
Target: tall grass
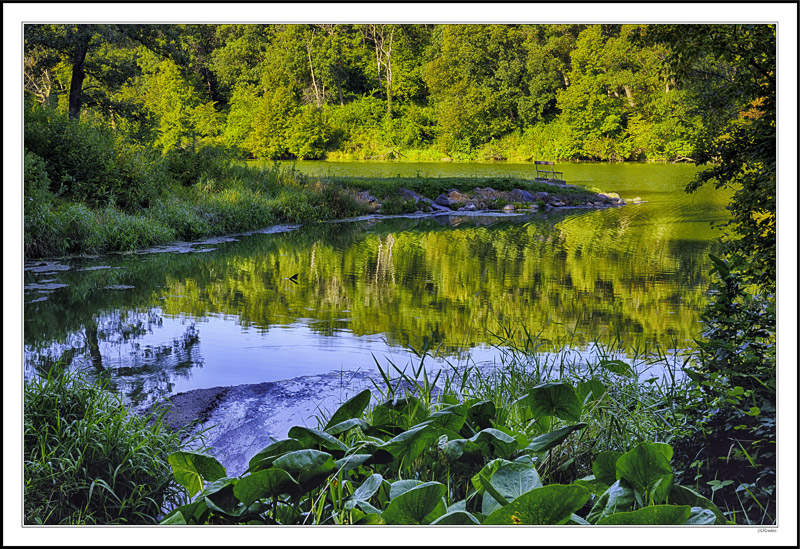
88 459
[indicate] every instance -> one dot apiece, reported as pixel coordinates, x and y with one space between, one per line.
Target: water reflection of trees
109 348
448 281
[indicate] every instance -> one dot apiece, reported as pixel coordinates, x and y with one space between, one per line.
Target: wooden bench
545 173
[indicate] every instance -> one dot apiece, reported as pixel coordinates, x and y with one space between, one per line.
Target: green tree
474 74
739 151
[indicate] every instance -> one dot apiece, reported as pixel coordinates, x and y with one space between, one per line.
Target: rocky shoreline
488 199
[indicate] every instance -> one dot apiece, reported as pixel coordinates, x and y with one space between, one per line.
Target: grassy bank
89 460
234 199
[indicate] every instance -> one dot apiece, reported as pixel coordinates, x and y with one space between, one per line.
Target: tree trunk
94 346
629 95
76 82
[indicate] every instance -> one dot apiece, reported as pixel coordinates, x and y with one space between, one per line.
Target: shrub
731 444
90 163
187 166
90 460
36 180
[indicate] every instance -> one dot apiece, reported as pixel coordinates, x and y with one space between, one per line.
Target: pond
229 311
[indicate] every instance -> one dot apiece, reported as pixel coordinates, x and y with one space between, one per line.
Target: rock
435 206
540 196
446 159
533 207
410 195
599 204
557 203
456 196
508 208
485 192
443 200
364 196
519 195
470 207
610 195
636 200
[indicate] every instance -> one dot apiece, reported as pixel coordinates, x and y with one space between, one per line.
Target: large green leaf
681 495
617 367
591 483
646 468
590 390
487 472
353 461
605 467
618 498
701 517
651 516
313 439
494 443
365 491
452 417
308 467
346 425
554 399
402 486
220 498
397 415
190 469
409 445
510 481
270 483
551 504
457 518
264 458
481 414
350 409
554 438
420 505
462 452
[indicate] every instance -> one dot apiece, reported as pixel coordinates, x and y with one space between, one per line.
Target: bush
88 459
187 166
89 163
731 445
36 180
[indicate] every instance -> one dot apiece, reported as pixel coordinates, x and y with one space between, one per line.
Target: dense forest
481 92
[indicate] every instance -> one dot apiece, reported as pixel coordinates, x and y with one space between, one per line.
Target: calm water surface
225 312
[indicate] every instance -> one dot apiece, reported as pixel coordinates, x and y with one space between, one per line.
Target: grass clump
90 460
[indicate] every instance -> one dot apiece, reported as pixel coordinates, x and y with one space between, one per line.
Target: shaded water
226 312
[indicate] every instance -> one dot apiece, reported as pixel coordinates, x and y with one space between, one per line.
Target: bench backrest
544 162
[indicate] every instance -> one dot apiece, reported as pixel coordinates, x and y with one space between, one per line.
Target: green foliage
738 146
88 163
36 180
361 91
480 484
90 460
733 414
